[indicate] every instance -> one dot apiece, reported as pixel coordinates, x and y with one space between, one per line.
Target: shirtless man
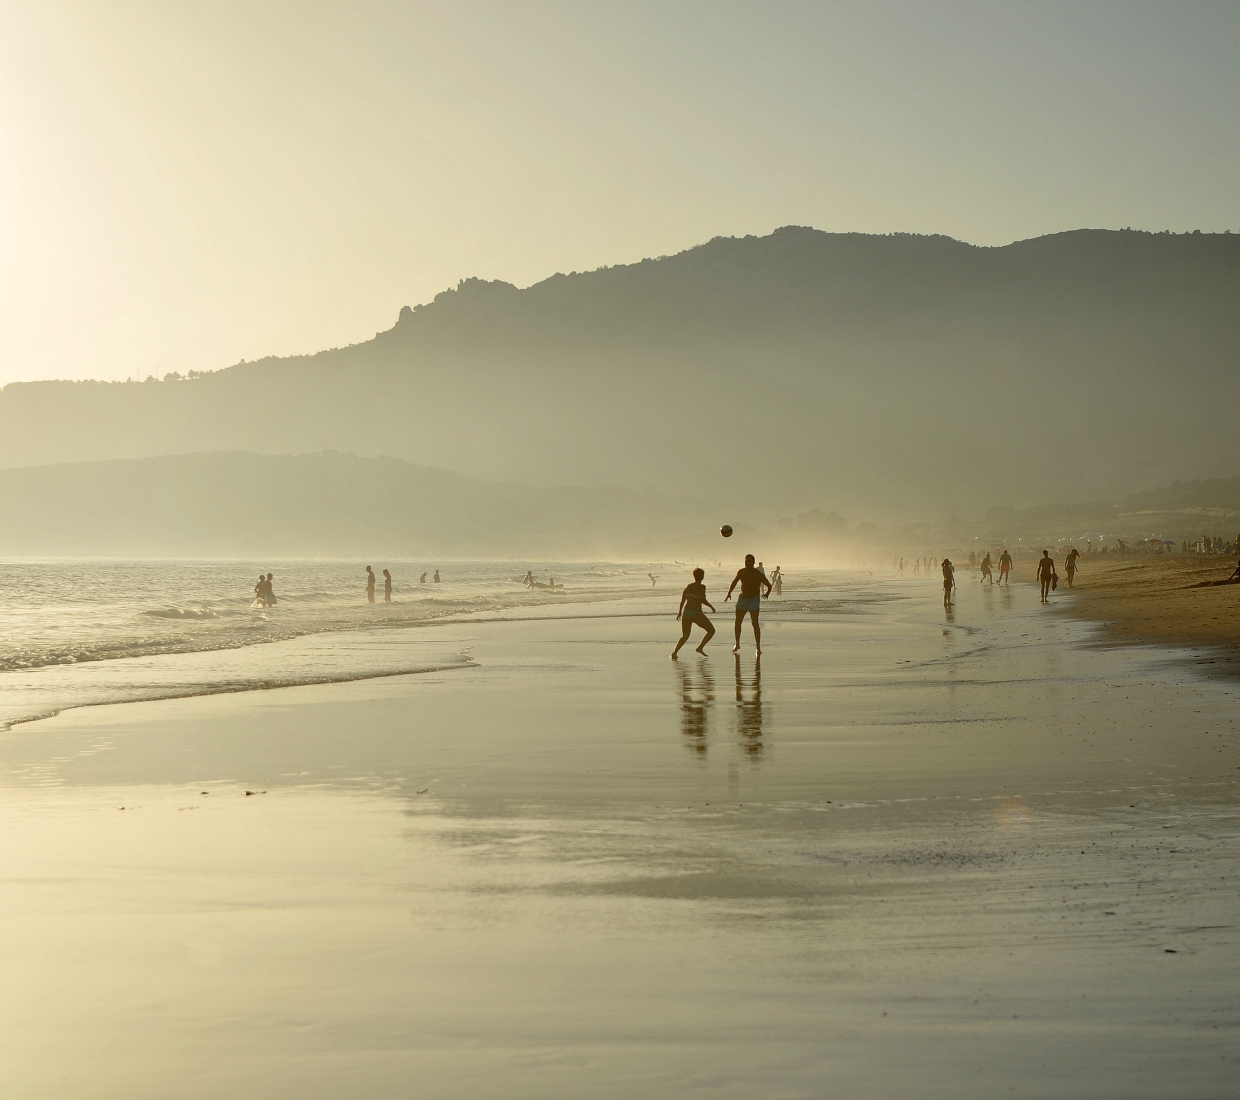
752 580
1005 567
690 612
986 573
1046 570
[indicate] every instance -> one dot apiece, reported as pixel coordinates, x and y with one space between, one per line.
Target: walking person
370 585
690 612
986 574
752 580
387 587
1069 564
1046 574
1005 567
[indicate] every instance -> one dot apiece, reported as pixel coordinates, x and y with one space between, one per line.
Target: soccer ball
726 531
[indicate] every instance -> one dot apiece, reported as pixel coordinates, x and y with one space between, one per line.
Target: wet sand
903 856
1153 599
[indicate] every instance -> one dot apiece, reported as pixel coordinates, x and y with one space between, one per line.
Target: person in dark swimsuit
1069 563
752 581
1046 571
690 612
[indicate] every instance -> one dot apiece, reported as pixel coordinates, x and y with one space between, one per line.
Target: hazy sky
184 185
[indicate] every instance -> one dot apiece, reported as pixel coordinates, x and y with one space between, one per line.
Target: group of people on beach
753 581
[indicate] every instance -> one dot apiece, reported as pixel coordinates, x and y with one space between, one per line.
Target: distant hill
880 375
332 505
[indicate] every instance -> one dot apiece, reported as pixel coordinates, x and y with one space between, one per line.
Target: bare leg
740 618
710 633
686 626
757 631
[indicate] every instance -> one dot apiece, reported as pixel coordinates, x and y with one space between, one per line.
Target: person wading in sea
370 585
752 581
387 587
690 612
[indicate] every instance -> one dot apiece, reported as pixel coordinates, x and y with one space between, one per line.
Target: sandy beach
1159 599
903 855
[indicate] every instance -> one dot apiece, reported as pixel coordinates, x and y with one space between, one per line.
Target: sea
84 632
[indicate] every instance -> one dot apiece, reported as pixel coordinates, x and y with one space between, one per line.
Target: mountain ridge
868 371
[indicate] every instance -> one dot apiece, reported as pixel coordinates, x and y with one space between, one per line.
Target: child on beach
690 612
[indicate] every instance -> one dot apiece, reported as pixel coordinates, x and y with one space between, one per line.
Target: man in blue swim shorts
752 580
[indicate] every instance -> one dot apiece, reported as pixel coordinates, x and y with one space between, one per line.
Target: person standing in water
1005 567
436 576
690 612
270 590
949 581
986 573
1069 564
1046 572
387 587
422 579
260 591
752 580
370 585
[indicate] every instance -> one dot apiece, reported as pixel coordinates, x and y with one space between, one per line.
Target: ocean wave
183 613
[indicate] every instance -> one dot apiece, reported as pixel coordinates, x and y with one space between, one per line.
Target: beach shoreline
932 854
1154 599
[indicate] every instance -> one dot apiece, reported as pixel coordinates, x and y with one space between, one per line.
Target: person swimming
690 612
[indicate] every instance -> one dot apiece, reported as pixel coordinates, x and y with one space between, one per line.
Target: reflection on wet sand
697 695
749 710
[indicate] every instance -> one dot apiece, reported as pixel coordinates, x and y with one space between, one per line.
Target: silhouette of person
436 576
1046 570
690 612
370 585
260 591
752 580
422 579
653 578
529 578
387 587
777 579
270 591
949 581
1005 567
986 573
1069 564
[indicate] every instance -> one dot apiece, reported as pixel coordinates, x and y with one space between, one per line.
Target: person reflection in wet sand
749 710
695 709
387 587
370 585
690 612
